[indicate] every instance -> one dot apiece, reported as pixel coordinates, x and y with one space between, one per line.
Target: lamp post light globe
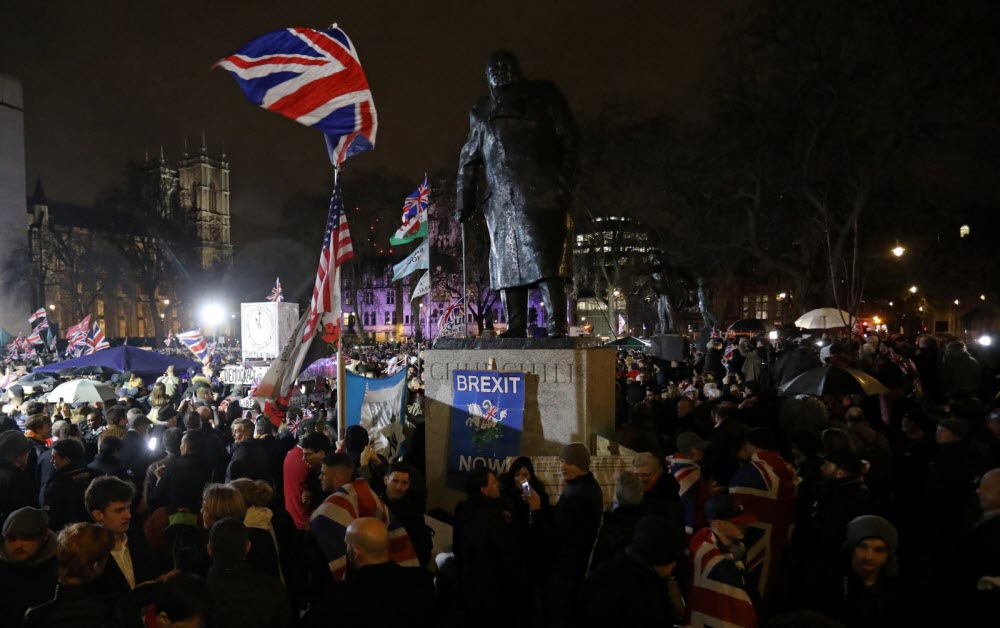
898 251
913 289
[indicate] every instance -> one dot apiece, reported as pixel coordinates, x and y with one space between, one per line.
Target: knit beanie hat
872 526
26 523
12 444
576 454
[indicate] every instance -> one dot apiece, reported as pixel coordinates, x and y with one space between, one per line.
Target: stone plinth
569 395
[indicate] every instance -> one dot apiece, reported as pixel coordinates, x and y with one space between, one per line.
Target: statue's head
503 69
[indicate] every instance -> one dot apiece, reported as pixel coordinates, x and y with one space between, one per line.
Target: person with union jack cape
720 593
765 485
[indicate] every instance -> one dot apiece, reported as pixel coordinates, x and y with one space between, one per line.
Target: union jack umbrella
313 77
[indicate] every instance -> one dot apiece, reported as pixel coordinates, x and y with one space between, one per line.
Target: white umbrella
79 390
824 318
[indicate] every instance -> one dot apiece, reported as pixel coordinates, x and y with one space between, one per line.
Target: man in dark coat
981 550
109 500
249 457
28 569
637 587
64 493
17 486
525 139
403 592
842 497
243 597
485 549
179 485
576 522
960 373
407 502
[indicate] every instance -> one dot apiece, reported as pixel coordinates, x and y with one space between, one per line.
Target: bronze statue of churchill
524 139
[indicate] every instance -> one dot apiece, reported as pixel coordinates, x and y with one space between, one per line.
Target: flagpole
465 289
341 387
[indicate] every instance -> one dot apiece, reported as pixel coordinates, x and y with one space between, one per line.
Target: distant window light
964 231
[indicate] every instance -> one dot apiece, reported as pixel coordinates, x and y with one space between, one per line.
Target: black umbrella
36 379
94 369
751 326
66 372
833 380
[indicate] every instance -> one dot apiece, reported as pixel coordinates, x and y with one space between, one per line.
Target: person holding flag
277 295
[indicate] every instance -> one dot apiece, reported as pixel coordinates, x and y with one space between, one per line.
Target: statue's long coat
526 143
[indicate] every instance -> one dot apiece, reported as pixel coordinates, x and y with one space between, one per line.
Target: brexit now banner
487 417
379 406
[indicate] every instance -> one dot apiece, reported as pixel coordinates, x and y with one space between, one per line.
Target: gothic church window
212 201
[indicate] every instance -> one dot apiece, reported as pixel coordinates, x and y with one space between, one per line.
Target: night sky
104 82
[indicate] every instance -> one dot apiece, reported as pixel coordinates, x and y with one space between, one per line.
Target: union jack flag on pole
277 294
169 339
83 326
324 315
96 341
313 77
414 216
196 343
39 313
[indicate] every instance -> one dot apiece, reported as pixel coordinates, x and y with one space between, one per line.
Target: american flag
324 315
337 249
195 341
39 313
417 202
313 77
277 295
96 341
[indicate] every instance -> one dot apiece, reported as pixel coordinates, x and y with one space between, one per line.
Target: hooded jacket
28 583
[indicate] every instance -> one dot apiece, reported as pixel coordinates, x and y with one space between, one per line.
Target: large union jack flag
313 77
195 341
96 341
718 594
766 485
688 476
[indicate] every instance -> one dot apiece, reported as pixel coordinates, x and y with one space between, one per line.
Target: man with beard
64 493
28 569
407 503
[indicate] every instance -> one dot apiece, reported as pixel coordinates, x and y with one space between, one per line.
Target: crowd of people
175 506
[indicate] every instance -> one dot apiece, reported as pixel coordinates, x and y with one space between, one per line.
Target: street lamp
898 251
782 296
52 307
166 302
982 297
913 289
956 301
